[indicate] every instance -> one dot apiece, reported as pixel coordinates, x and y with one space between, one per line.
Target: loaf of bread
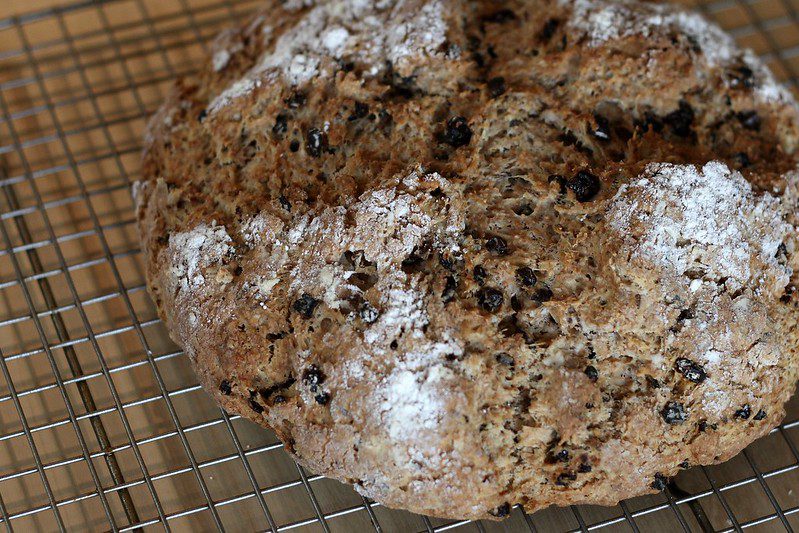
471 254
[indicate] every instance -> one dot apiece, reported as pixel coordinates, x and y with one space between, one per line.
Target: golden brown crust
494 253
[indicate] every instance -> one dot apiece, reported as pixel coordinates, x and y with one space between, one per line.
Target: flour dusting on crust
195 250
372 34
388 225
602 21
708 243
678 218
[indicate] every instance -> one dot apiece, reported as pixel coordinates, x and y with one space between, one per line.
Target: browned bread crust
466 255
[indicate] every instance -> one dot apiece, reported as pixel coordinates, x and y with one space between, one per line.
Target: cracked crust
497 253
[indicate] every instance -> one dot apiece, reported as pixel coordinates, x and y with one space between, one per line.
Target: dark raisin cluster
584 185
497 246
692 371
255 406
501 511
602 130
496 87
284 203
524 209
742 76
564 478
750 120
305 305
674 413
741 160
506 359
313 377
368 313
744 412
703 426
544 294
274 394
457 132
360 110
526 276
500 17
681 120
479 273
561 456
490 299
315 142
660 482
549 29
323 398
281 125
449 292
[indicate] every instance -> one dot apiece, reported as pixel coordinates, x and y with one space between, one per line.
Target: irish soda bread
467 254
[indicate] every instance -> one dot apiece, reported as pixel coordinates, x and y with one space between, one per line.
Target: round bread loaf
466 254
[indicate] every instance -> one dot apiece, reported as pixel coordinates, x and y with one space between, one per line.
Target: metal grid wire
102 423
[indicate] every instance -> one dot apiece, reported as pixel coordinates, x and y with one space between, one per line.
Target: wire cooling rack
102 423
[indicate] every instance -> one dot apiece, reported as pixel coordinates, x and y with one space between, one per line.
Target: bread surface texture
466 254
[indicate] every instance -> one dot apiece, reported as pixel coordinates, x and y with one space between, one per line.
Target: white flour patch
422 33
378 230
333 279
384 226
237 89
220 60
334 40
712 357
767 89
705 234
413 397
681 218
266 284
719 48
253 229
296 5
403 310
397 222
195 250
715 400
389 224
414 400
369 33
261 229
262 288
602 21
